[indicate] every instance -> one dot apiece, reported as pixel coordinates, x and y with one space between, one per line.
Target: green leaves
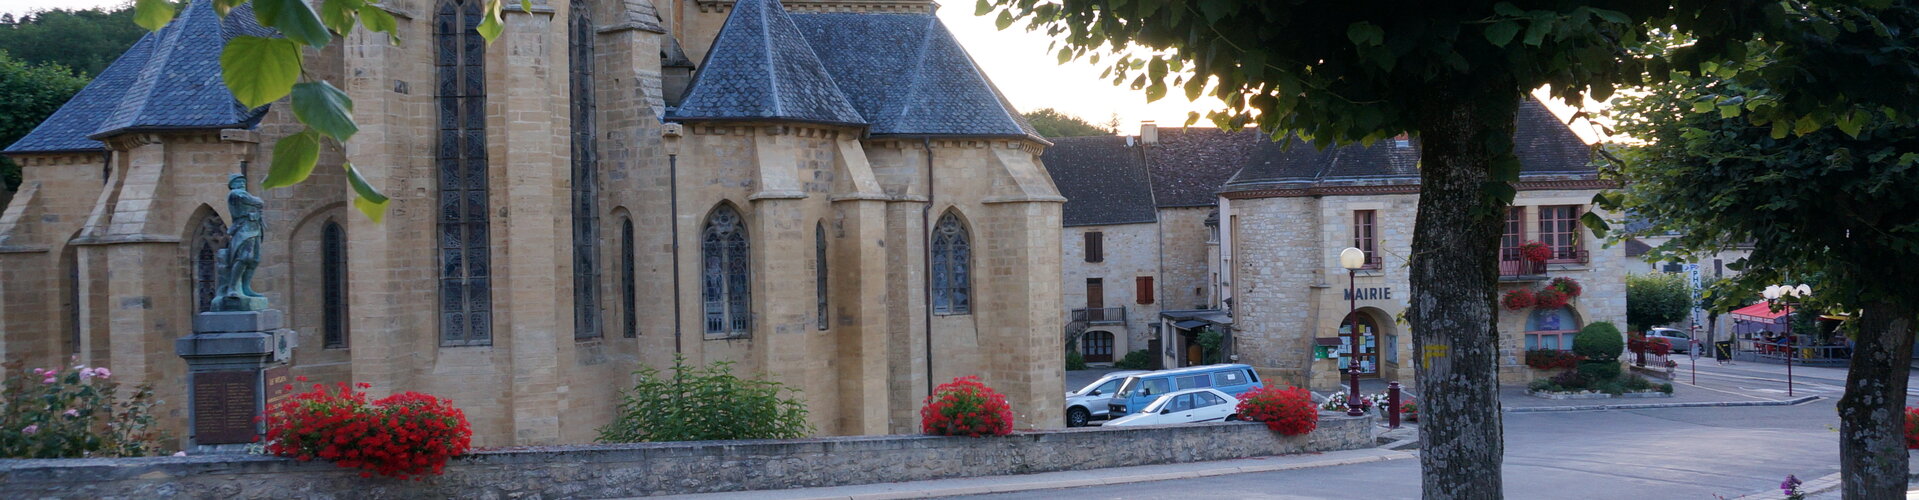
367 200
293 159
222 7
1501 33
295 19
491 25
325 109
983 8
260 70
1005 19
379 20
1364 34
339 15
152 14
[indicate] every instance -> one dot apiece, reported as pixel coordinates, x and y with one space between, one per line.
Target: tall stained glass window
333 285
952 266
629 291
586 215
723 273
466 300
208 238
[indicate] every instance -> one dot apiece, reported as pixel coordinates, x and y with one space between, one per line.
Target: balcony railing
1521 269
1100 315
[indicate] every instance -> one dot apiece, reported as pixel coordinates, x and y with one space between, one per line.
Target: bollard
1392 402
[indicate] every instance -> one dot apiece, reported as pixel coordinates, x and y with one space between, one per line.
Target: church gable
760 68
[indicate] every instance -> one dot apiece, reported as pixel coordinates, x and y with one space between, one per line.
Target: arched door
1368 354
1097 346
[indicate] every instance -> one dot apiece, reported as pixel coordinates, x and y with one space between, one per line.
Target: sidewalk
1067 479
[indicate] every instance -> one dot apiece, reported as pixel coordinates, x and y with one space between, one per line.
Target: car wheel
1232 418
1077 417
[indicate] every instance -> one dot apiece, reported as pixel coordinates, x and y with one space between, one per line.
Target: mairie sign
1376 293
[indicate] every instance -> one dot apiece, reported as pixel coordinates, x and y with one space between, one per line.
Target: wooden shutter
1143 289
1095 250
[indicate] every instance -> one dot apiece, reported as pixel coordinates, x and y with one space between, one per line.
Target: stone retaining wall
602 471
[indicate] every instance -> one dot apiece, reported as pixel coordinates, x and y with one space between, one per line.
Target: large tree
1656 299
1452 73
1837 207
83 40
1052 123
28 94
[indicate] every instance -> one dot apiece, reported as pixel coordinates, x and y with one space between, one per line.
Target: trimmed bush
966 407
1074 361
1136 360
1288 411
1599 371
1599 341
702 403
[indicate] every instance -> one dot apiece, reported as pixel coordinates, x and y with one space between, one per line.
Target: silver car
1089 403
1681 341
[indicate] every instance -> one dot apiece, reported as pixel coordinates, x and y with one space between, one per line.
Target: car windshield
1089 387
1126 391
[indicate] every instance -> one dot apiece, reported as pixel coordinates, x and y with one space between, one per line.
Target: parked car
1681 341
1089 403
1141 390
1184 407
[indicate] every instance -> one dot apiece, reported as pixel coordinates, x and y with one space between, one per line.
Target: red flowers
1535 251
1288 411
1549 359
1517 299
1565 286
1549 299
1912 428
404 435
966 407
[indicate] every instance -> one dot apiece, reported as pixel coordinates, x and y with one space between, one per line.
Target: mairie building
831 194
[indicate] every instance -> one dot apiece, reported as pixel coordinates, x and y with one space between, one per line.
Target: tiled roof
909 76
1189 165
169 79
761 68
1545 146
1103 179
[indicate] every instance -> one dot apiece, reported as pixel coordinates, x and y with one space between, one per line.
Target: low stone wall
603 471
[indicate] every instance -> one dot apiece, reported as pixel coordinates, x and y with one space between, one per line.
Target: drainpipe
926 226
670 136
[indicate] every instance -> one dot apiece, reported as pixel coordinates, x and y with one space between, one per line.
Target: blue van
1140 390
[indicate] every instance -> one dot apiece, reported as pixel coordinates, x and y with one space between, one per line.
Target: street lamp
1352 259
1789 296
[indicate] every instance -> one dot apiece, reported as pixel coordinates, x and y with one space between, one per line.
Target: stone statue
242 254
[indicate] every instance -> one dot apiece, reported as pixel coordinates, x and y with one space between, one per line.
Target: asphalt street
1637 454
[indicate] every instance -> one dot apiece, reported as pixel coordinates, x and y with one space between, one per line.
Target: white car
1184 407
1089 403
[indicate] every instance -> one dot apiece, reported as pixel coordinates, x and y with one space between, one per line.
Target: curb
1648 406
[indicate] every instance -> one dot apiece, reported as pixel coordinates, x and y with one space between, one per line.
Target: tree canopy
1052 123
1656 299
85 41
28 94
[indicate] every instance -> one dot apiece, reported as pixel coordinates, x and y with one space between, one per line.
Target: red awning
1761 312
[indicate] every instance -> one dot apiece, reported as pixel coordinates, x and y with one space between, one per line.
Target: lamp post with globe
1787 296
1352 259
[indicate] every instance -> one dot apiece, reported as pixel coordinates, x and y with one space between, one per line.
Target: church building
828 193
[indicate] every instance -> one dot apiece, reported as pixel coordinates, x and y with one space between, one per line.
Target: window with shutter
1143 289
1095 246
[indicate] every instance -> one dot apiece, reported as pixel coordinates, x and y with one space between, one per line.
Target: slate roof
898 74
169 79
1103 179
760 68
1545 146
1189 165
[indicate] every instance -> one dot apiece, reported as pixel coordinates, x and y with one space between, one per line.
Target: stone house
1290 210
834 196
1110 245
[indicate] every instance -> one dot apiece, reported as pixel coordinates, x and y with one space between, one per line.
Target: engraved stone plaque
223 406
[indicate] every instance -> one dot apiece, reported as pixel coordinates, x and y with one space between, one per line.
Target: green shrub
1599 371
702 403
1599 341
1074 361
1136 360
1209 341
1612 387
74 412
1665 387
1637 383
1542 385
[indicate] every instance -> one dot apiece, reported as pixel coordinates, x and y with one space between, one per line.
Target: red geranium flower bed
1912 428
1517 299
966 407
406 435
1568 286
1288 411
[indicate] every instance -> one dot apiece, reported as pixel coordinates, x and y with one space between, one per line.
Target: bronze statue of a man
242 254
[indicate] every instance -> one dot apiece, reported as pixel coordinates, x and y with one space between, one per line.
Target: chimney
1148 132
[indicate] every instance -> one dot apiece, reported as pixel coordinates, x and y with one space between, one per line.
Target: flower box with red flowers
966 407
1566 286
1549 299
1517 299
1535 251
406 435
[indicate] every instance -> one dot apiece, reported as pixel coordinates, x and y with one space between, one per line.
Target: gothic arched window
819 270
465 259
586 215
952 266
208 238
723 277
333 285
629 292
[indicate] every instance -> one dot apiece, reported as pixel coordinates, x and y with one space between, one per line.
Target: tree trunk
1872 429
1454 278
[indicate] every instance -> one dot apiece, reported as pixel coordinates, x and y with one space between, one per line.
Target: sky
1017 61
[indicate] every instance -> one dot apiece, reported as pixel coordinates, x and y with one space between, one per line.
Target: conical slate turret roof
761 68
170 79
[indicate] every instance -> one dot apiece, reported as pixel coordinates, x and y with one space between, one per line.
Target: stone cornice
1542 185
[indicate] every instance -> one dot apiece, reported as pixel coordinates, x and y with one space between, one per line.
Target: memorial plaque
277 380
223 406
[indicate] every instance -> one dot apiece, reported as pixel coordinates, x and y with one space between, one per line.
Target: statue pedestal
236 368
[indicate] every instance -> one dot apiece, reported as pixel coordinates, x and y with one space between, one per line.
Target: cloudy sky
1017 62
